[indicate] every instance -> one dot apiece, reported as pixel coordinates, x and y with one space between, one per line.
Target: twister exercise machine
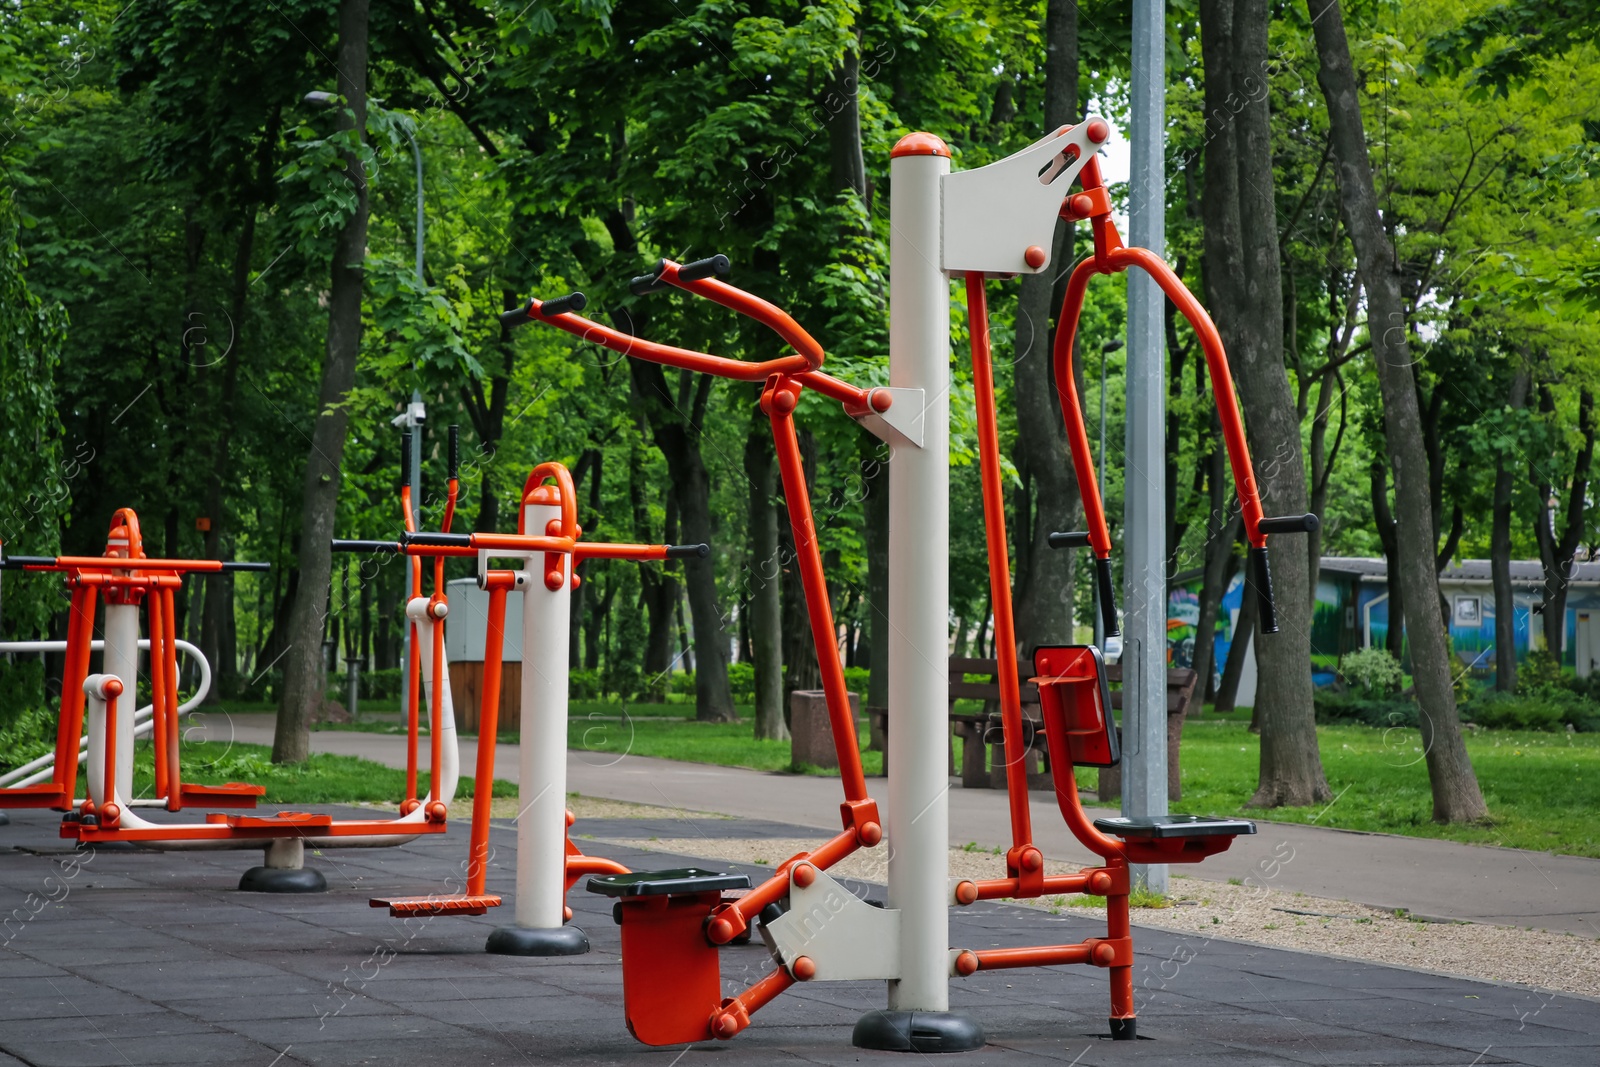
547 547
126 578
997 220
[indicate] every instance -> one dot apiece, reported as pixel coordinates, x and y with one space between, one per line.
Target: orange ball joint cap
966 892
803 875
967 964
804 968
1035 257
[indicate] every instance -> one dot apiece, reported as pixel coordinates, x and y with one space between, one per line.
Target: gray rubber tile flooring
156 958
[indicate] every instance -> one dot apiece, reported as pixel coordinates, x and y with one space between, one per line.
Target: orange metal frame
1025 875
786 377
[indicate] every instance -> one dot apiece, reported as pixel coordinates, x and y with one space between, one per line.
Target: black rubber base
283 880
1124 1029
5 820
530 941
918 1031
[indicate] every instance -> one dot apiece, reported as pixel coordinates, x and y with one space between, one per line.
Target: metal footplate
1175 838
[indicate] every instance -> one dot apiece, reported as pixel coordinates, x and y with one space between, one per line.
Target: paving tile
53 1050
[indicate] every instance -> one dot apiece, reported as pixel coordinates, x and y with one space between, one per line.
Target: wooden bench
981 733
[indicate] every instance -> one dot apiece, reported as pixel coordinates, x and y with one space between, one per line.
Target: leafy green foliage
1372 672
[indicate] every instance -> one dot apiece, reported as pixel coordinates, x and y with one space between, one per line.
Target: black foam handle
1284 524
405 458
563 304
688 551
233 565
341 544
16 563
438 540
705 268
1069 539
517 316
1108 597
455 450
644 284
1261 578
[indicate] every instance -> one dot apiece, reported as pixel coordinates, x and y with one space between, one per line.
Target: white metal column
1144 642
121 658
542 781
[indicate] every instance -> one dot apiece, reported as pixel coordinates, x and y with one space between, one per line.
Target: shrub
680 683
586 685
1548 709
855 680
1353 708
1372 672
1541 671
742 680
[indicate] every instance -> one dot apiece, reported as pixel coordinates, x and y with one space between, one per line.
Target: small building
1352 612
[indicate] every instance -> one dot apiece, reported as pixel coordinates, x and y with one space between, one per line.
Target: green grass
1542 788
603 735
323 779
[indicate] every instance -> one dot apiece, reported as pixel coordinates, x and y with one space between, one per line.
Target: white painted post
918 817
121 658
542 785
1144 655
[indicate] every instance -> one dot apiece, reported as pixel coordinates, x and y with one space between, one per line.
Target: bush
1541 671
27 720
1548 709
1372 672
1367 711
680 683
586 685
855 680
742 680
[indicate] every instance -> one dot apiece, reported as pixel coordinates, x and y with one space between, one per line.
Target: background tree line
212 312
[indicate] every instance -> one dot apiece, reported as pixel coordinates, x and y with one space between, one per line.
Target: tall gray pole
1144 627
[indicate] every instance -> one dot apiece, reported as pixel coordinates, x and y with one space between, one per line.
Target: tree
1244 282
1505 604
303 665
1558 547
1456 796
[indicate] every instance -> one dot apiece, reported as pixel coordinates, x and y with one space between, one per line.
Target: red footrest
405 907
227 795
297 819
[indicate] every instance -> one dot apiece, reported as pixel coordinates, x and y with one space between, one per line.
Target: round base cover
283 880
1124 1029
918 1031
537 941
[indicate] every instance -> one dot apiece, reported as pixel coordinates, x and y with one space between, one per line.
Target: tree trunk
658 583
1244 631
1050 501
1557 552
1220 566
1383 518
1456 796
1505 603
764 605
1244 282
799 650
303 668
676 425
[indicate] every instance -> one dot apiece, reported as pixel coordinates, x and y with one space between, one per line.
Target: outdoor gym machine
673 922
548 548
1074 697
126 578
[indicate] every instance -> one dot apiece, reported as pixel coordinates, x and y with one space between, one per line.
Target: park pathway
1431 879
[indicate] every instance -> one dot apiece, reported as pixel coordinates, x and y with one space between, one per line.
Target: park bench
981 732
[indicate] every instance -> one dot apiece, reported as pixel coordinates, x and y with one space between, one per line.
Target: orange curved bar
855 399
488 732
751 306
815 583
602 550
578 866
135 538
569 499
158 687
994 522
169 621
1094 511
669 355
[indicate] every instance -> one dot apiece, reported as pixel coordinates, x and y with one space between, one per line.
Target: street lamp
1105 351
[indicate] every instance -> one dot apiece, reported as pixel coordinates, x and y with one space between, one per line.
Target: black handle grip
688 551
705 268
517 316
562 304
455 451
341 544
1069 539
644 284
1284 524
16 563
405 458
1108 597
233 565
1261 578
437 540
